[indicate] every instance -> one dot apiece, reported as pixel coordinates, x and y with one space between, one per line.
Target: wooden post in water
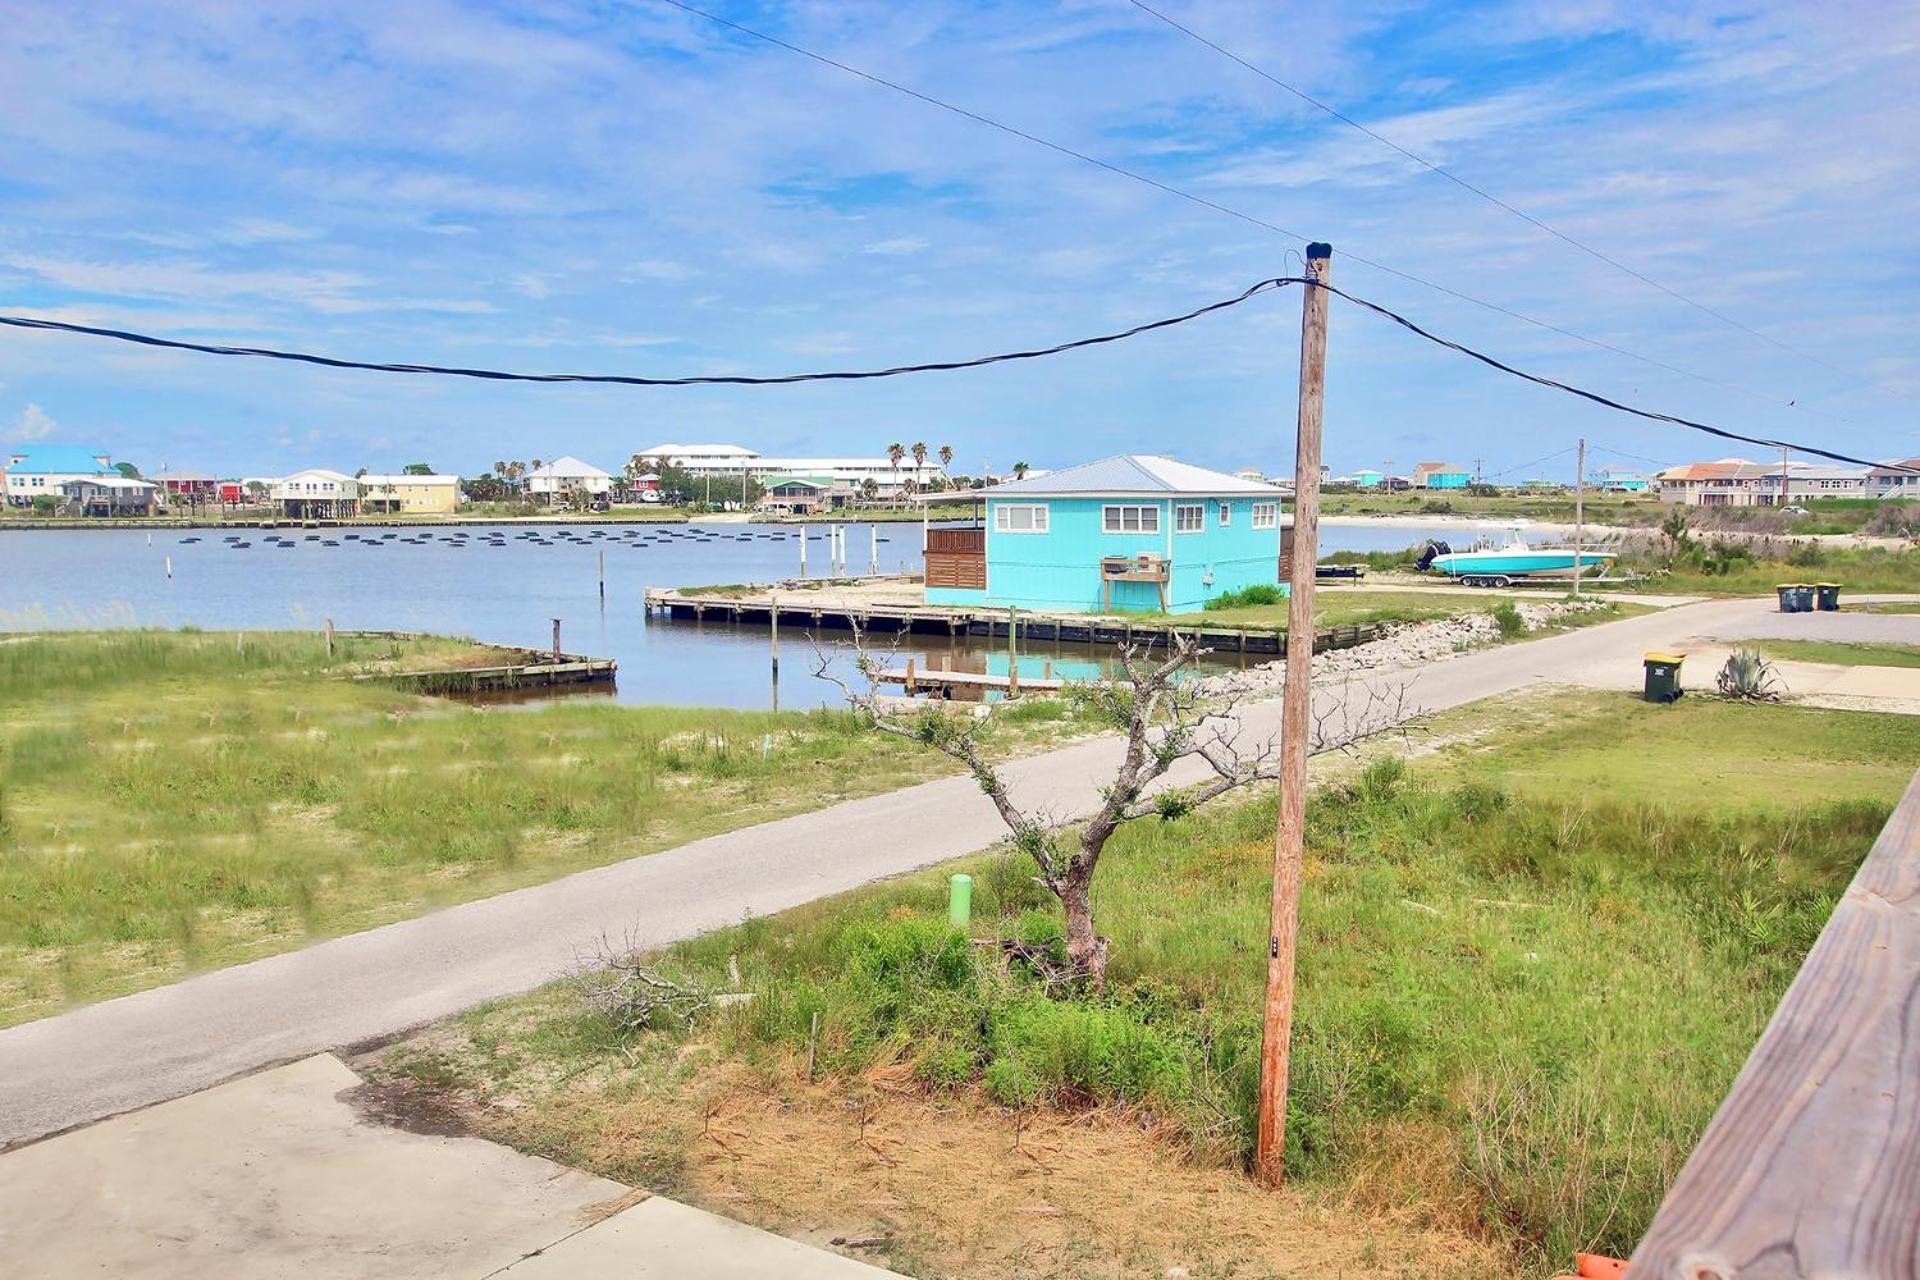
603 577
1013 649
773 643
169 568
1296 717
556 639
803 551
873 550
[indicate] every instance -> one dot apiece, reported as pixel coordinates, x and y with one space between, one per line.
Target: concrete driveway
111 1057
281 1175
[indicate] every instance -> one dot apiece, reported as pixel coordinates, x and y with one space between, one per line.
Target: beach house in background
1620 480
34 471
315 494
409 495
1736 482
567 476
1439 475
1131 532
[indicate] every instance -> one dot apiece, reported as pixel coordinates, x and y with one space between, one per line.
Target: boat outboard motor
1428 553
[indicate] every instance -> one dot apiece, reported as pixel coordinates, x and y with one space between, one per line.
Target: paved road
111 1057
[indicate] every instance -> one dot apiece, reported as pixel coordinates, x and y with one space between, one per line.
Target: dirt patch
400 1103
943 1185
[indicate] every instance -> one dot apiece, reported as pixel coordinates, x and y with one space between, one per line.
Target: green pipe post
960 900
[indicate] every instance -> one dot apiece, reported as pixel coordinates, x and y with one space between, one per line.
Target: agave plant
1749 677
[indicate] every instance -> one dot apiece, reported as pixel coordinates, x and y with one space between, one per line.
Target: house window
1226 514
1130 519
1266 515
1188 519
1020 517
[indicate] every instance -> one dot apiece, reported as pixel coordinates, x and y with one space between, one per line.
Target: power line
940 366
1215 205
1488 196
1527 466
1594 396
621 379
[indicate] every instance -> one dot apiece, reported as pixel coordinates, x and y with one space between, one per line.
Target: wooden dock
945 682
530 669
756 608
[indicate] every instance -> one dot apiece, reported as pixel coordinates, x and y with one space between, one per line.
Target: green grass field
1719 568
1844 655
169 803
1531 963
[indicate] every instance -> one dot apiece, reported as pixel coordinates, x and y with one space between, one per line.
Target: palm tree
500 469
946 456
919 455
1019 471
536 464
869 489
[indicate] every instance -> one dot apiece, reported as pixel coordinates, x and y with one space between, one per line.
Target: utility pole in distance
1296 715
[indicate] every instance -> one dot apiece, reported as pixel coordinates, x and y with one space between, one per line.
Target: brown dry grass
944 1185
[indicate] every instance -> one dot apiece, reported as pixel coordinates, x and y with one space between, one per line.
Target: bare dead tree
615 983
1166 715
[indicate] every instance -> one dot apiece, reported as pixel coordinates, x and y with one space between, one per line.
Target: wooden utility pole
1296 721
1783 476
1579 509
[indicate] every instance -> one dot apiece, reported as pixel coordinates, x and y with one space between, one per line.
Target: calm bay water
505 584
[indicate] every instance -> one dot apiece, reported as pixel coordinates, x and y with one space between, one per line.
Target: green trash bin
1663 675
1826 597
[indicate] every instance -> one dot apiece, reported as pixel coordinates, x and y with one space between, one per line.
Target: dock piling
603 577
556 639
1013 649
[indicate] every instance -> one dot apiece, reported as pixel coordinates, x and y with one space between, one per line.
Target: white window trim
1179 517
1266 515
1142 507
1001 524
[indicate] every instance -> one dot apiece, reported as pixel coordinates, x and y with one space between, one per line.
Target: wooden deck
531 669
756 608
1811 1167
945 682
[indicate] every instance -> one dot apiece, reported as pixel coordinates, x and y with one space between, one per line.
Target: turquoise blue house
1136 532
1367 478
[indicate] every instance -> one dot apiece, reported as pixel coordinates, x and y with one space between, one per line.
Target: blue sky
619 187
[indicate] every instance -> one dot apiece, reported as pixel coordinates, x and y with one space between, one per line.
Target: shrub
1260 593
1506 616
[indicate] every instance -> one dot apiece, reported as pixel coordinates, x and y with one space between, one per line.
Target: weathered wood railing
1811 1167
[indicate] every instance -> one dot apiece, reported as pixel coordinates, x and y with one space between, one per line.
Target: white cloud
32 423
897 246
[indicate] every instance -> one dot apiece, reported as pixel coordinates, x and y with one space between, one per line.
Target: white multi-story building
315 493
1736 482
733 460
567 475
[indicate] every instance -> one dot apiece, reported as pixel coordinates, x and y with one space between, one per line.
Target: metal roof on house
1123 475
56 459
567 468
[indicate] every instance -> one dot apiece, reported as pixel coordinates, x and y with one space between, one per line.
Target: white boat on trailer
1491 565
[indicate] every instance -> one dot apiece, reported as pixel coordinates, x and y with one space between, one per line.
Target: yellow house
409 495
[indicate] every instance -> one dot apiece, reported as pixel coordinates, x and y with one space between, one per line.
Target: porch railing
1811 1167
